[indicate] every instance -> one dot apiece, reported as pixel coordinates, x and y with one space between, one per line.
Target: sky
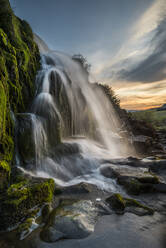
123 40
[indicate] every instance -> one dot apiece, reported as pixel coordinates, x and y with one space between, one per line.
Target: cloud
142 96
143 57
152 68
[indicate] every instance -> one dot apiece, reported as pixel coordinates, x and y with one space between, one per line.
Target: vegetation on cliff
19 62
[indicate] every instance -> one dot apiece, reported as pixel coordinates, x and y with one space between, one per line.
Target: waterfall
83 100
40 139
74 124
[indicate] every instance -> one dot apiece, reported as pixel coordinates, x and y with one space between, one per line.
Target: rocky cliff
19 62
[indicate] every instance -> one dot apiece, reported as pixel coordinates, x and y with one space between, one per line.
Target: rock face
4 175
25 140
19 62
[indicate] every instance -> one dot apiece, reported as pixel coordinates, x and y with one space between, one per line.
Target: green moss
149 179
138 186
30 194
43 192
19 62
4 175
117 202
5 166
21 197
133 186
132 202
25 225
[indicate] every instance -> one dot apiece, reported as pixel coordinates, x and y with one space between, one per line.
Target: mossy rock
19 62
133 186
120 204
4 175
153 179
133 203
46 210
23 229
117 202
21 197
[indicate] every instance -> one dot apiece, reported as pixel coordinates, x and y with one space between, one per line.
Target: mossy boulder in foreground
120 205
20 200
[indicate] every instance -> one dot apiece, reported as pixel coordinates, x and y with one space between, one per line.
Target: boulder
121 205
161 188
72 219
135 180
51 235
21 198
117 202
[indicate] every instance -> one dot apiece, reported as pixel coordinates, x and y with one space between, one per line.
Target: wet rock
137 211
74 219
21 198
121 205
81 188
158 165
25 228
161 187
142 143
26 144
65 149
134 187
51 235
108 171
113 170
153 179
117 202
4 175
135 180
46 210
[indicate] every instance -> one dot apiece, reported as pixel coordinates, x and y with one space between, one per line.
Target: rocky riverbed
83 215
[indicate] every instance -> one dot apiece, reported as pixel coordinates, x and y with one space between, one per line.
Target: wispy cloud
142 96
138 71
143 57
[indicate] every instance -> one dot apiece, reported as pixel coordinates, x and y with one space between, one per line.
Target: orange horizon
141 108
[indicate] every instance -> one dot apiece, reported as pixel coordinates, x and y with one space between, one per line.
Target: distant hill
162 108
156 117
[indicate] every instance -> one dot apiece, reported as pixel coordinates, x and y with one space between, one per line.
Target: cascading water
69 109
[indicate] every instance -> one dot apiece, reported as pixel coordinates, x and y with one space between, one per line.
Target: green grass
156 118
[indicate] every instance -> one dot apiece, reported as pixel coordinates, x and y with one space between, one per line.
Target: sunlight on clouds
142 96
150 19
138 47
